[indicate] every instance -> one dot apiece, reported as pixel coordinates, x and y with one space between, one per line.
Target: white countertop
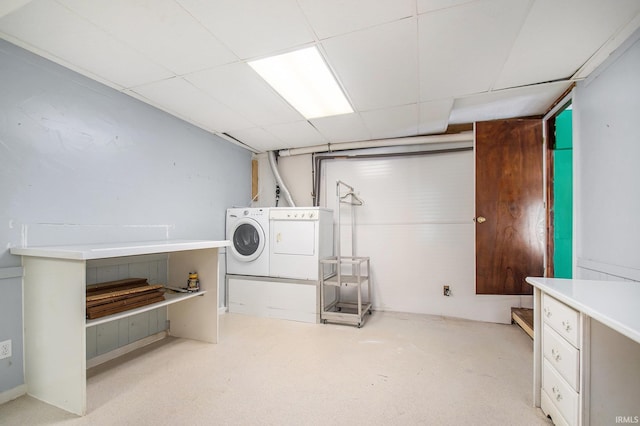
102 251
616 304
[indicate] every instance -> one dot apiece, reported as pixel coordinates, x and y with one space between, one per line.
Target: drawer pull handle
547 312
556 392
566 325
556 355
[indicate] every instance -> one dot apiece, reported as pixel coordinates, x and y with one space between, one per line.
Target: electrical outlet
446 290
5 349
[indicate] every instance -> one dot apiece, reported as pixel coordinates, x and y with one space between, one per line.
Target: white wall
81 162
606 173
296 173
417 227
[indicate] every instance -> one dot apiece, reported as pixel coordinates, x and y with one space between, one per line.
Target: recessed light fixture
304 80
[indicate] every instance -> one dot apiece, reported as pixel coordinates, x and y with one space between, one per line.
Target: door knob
480 219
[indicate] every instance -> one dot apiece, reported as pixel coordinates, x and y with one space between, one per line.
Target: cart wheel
359 325
324 321
338 308
370 312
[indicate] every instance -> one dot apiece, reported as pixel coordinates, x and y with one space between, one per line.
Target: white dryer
248 231
300 237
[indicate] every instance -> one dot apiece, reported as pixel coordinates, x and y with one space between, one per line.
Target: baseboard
101 359
12 394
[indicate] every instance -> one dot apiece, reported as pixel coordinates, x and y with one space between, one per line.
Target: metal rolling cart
340 272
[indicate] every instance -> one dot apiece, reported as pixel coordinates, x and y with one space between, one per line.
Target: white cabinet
563 357
54 309
586 353
561 361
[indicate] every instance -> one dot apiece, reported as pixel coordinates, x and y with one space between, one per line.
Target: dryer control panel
294 213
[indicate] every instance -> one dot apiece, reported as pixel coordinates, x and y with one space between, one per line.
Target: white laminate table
54 308
609 341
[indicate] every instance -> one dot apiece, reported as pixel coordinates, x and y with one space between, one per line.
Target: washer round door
248 240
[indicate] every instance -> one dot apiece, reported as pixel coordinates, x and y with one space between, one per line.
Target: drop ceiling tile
181 98
378 67
395 122
241 89
170 36
425 6
253 28
258 139
434 116
297 134
329 18
8 6
462 49
53 31
342 128
508 103
555 45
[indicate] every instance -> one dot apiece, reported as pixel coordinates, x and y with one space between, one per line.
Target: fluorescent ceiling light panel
304 80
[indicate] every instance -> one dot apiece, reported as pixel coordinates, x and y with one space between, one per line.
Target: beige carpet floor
399 369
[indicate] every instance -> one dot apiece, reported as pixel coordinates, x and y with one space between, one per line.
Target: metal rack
345 271
338 310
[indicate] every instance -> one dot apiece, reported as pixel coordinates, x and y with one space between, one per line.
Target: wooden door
509 205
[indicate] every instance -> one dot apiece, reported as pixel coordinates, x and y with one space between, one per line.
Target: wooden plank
122 308
118 284
123 301
254 180
129 291
524 318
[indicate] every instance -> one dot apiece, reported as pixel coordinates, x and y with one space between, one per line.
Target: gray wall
606 172
81 162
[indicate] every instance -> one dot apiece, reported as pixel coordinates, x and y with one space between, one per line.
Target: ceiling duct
279 181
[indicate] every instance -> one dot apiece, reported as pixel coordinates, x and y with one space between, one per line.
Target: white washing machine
248 231
300 237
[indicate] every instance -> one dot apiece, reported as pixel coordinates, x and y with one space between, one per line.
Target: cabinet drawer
561 318
560 393
551 410
562 356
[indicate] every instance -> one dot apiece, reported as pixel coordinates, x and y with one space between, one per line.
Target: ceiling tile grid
433 116
558 37
241 89
463 49
253 28
330 18
395 122
170 37
47 27
409 67
378 66
181 98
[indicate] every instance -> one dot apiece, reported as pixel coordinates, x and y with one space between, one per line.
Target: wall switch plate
5 349
446 291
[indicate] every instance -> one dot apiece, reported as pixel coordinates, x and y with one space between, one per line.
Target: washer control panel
255 212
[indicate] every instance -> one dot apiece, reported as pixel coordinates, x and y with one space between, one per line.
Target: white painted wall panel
607 197
416 226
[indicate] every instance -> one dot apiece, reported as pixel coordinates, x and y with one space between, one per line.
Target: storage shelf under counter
54 308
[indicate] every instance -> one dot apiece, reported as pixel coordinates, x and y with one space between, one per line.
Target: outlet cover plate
5 349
